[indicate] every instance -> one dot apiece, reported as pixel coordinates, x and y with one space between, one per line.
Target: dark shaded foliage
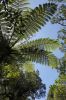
20 88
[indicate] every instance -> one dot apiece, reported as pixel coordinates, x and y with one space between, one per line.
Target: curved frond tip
37 18
45 44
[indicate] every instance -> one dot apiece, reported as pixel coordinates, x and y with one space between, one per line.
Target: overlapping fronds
42 57
19 24
41 44
38 56
37 18
9 16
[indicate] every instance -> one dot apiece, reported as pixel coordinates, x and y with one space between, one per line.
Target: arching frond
42 57
36 51
19 24
41 44
53 61
37 18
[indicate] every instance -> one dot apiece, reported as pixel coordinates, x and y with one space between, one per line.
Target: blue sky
47 74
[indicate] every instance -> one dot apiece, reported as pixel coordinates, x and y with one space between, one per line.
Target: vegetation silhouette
58 90
18 23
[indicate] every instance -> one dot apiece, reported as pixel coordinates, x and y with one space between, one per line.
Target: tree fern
37 18
16 24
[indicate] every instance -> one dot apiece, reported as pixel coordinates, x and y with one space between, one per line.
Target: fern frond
41 44
53 61
16 25
42 57
22 24
37 18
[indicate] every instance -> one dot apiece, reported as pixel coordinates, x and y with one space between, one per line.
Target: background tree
60 18
58 90
17 84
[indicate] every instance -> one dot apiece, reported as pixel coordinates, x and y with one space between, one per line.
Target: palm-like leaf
17 25
33 20
40 51
34 55
37 18
40 56
41 44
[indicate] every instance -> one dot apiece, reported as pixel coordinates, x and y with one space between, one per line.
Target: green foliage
23 25
61 80
40 56
28 66
53 61
18 81
10 72
39 51
51 93
58 90
17 25
62 67
60 18
26 85
42 44
37 18
59 93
